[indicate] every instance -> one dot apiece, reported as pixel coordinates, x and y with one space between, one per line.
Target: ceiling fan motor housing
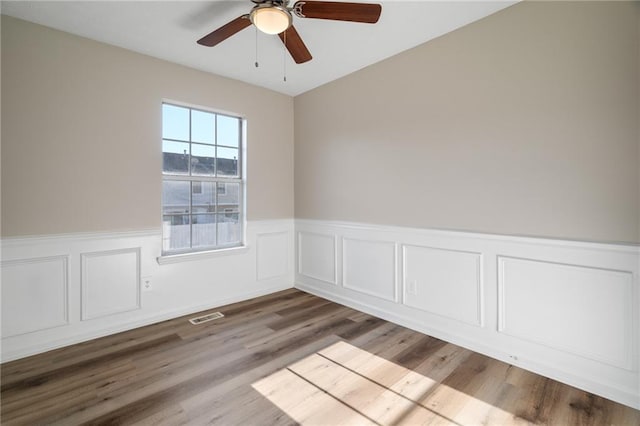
270 17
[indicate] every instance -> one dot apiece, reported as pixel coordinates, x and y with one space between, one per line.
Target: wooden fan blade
225 31
368 13
295 45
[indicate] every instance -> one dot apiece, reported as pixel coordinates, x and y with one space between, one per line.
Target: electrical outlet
146 284
413 287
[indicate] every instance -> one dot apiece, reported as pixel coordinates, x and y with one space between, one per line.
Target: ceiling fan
276 17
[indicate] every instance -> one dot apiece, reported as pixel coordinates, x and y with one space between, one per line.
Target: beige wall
523 123
81 134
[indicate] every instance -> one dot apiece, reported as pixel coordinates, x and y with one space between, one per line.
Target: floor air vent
205 318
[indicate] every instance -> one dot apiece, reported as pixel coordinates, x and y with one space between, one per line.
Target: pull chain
284 58
256 46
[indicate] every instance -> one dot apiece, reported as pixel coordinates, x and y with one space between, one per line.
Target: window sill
199 255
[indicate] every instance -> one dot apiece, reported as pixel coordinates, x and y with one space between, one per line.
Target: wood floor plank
366 396
222 395
416 353
282 359
365 325
223 410
442 363
300 306
306 403
172 415
378 370
303 316
387 340
91 363
295 328
77 383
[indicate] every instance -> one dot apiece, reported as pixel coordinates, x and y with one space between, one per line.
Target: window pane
227 162
175 122
228 197
228 131
205 200
222 189
203 127
175 197
176 232
203 160
204 230
229 231
175 157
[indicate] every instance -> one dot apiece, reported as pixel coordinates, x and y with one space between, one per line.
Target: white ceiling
169 30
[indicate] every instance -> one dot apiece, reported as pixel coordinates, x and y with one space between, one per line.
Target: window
202 186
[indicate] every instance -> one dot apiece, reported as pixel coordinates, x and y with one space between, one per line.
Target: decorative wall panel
110 282
317 257
273 255
369 267
584 310
444 282
34 294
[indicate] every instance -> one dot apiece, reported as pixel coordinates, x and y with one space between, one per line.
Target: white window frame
169 256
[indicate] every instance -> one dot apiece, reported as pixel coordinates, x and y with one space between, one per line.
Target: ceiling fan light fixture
270 18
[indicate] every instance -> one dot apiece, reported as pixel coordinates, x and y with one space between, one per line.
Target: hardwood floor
286 358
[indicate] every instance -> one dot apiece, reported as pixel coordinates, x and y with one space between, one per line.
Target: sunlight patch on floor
343 384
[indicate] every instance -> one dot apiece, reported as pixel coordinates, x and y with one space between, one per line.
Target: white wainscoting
564 309
64 289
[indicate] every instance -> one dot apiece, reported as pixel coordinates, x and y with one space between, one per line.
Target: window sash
228 222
